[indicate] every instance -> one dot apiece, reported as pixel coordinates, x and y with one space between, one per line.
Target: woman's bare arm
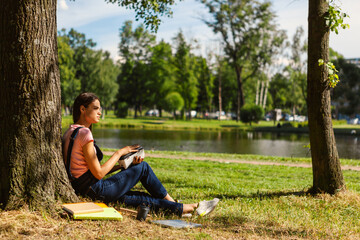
99 171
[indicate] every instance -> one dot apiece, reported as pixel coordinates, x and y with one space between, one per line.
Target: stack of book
92 211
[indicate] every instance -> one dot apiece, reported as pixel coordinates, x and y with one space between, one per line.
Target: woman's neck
83 123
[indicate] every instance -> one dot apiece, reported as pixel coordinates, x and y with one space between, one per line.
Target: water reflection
274 144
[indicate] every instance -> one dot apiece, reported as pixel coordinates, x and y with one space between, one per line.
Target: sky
101 22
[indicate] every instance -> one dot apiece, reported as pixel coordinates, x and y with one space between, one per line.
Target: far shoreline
111 122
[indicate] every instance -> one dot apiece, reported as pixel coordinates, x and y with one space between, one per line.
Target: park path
303 165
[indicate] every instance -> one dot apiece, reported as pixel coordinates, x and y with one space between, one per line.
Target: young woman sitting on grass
82 161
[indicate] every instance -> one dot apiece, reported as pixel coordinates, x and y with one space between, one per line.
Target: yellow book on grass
100 204
109 213
84 207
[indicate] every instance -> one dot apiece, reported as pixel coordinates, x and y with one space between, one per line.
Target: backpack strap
71 143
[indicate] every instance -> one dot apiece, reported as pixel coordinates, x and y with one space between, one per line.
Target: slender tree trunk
32 169
257 92
293 112
265 93
220 98
240 92
261 93
327 175
103 113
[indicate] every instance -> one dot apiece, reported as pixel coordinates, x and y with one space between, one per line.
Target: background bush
251 113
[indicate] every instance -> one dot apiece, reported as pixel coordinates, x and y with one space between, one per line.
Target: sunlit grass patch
266 200
257 202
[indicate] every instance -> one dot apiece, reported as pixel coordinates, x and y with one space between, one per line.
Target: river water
261 143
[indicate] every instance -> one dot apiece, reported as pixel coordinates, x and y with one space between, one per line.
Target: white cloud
83 12
63 5
97 20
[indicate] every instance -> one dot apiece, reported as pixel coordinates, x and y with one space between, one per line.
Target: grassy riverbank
202 124
164 123
257 202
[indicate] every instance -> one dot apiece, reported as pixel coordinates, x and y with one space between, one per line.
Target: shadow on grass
264 195
153 122
272 195
243 226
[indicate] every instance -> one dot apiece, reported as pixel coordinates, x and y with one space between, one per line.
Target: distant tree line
84 69
256 78
345 97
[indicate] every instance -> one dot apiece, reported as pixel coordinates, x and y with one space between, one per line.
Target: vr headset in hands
126 160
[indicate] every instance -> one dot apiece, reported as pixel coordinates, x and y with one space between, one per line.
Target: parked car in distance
215 115
287 117
192 113
275 113
268 116
296 118
152 113
300 118
231 116
353 121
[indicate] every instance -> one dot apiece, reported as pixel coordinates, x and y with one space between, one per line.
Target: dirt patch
303 165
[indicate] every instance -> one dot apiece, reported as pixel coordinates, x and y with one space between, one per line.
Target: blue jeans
118 186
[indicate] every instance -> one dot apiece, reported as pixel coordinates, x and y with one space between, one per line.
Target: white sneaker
206 207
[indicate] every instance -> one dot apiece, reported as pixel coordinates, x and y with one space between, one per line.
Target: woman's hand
137 160
129 149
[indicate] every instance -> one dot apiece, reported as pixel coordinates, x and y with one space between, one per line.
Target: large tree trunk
327 175
32 169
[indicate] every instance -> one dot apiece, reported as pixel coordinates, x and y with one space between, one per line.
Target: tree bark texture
32 169
327 174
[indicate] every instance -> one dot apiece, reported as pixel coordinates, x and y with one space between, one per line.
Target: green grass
263 201
268 197
257 201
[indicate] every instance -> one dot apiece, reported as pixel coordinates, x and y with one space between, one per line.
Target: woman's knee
143 167
145 164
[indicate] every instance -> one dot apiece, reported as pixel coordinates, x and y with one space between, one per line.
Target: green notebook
108 214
